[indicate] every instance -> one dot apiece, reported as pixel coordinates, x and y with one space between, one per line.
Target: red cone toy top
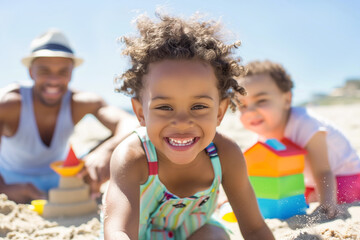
71 159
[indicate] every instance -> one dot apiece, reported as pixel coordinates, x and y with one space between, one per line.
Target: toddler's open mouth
181 142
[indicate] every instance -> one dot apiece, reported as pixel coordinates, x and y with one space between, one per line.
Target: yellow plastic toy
38 205
70 167
227 213
68 171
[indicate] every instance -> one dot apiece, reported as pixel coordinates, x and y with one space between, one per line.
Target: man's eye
43 72
198 107
164 108
64 73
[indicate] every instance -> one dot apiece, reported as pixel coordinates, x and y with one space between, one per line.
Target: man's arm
10 105
121 125
119 122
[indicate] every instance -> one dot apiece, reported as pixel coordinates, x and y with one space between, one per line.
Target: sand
18 222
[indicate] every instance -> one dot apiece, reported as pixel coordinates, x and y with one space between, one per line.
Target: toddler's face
265 109
181 108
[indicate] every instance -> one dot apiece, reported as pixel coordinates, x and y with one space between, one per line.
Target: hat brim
48 53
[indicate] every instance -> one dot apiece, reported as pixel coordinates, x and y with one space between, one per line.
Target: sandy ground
18 222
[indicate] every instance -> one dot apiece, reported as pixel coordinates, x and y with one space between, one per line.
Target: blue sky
318 42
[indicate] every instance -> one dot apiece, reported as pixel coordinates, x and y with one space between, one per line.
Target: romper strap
153 168
149 150
212 152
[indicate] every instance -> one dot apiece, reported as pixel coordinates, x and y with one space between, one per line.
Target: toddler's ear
138 110
288 99
222 110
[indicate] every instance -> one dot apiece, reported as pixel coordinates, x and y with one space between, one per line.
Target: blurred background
316 41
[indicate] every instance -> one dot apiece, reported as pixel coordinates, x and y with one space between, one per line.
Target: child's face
265 109
181 108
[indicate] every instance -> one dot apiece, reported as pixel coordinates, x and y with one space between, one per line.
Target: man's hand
22 192
96 170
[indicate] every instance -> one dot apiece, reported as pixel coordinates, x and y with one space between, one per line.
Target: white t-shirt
301 127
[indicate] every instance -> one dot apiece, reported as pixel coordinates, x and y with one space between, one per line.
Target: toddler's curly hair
176 38
275 70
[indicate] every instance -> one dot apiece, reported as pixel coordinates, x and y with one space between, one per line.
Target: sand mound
17 221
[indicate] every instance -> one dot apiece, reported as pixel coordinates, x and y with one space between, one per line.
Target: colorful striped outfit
163 215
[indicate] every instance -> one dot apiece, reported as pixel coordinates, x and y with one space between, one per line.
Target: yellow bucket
38 205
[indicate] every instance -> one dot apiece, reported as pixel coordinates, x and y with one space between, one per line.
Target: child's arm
239 191
318 160
128 170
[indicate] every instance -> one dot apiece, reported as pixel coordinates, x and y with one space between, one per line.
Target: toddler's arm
318 160
121 203
239 191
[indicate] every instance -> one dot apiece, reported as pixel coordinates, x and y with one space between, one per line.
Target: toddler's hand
330 209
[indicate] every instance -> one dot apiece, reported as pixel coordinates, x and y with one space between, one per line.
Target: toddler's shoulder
223 141
302 118
130 149
227 147
129 158
302 114
231 157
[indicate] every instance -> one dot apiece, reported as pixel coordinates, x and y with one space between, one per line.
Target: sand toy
276 173
72 197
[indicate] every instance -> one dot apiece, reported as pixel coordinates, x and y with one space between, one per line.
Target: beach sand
18 222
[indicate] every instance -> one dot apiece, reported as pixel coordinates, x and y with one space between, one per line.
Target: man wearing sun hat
36 121
53 43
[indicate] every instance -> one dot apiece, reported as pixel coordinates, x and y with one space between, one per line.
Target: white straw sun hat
52 43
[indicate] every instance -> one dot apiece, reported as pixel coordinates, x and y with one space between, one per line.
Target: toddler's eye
262 101
198 107
164 108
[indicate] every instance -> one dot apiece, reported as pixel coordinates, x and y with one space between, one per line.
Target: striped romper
163 215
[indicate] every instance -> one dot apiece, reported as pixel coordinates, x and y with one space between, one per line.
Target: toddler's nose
182 120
